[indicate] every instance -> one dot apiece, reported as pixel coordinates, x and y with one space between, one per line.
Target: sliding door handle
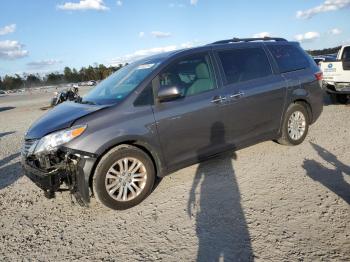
218 99
237 95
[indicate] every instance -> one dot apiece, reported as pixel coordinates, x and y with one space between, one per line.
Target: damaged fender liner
72 167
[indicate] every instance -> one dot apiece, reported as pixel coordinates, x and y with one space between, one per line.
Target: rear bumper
332 89
72 174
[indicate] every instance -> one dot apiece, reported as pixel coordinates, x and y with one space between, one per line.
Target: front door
188 127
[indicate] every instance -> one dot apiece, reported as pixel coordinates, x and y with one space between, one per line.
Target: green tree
54 78
11 82
75 76
67 72
33 80
325 51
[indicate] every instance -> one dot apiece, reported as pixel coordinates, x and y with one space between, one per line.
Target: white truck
336 76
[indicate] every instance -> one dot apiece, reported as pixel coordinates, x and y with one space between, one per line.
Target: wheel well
131 143
307 106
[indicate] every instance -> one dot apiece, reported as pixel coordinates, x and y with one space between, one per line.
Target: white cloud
159 34
327 6
172 5
193 2
119 3
148 52
43 63
141 53
191 44
7 29
262 34
307 37
11 50
335 31
84 5
141 34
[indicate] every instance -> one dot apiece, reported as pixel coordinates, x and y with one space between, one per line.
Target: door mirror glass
169 93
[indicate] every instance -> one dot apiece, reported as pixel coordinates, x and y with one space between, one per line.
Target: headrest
202 71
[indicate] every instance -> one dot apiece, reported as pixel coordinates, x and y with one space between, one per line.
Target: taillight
319 76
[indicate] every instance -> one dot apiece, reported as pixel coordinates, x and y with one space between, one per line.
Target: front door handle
238 95
218 99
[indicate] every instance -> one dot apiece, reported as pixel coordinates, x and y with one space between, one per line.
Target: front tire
124 177
295 125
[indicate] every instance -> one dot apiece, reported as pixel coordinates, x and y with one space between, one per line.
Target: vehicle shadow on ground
7 133
333 179
6 108
327 100
220 221
9 173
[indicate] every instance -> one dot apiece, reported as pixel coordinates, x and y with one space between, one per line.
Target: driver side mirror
169 93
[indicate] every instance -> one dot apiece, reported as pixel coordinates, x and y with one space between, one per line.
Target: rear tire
295 125
124 177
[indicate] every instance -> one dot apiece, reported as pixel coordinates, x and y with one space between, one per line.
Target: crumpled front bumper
72 173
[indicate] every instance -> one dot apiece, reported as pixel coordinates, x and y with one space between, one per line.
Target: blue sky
46 35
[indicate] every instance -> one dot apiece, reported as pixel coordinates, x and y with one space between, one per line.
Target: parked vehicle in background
319 59
2 93
91 83
166 112
336 76
72 94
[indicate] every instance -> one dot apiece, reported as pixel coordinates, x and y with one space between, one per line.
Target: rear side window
241 65
289 58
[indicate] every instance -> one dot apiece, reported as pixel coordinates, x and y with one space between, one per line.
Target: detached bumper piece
61 170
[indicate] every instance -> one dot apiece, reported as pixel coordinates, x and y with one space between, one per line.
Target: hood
60 117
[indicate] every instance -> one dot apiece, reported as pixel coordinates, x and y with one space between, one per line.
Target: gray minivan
165 112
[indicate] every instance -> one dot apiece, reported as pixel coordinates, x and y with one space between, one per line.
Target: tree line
325 51
97 72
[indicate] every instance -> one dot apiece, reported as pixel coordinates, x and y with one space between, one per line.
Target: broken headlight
53 140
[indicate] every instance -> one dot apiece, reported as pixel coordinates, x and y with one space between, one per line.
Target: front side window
192 75
117 86
289 58
241 65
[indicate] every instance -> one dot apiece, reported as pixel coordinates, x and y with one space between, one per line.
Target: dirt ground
266 203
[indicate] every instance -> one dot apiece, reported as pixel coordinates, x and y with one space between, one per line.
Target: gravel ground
265 202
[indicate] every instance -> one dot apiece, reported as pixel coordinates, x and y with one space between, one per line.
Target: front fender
150 148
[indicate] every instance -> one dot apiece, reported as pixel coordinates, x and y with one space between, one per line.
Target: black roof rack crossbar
236 40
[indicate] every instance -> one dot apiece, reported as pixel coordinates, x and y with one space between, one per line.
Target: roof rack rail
236 40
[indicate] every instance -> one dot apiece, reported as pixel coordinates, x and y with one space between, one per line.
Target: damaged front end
58 169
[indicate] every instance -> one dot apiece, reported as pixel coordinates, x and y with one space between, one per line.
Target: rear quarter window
289 58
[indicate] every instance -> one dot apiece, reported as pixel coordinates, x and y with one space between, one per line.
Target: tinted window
346 53
192 75
244 64
289 58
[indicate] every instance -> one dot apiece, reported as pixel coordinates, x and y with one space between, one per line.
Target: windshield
121 83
